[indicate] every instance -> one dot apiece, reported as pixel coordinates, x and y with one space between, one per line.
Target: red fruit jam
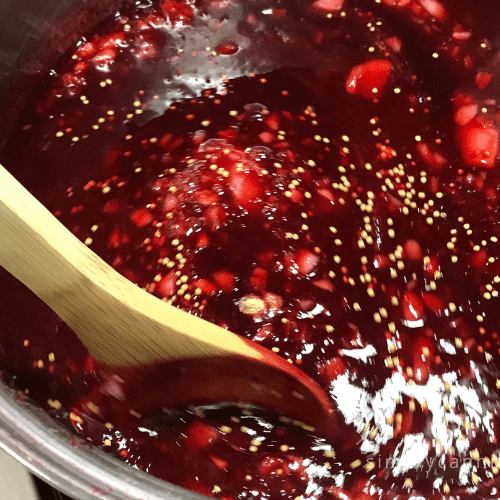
320 177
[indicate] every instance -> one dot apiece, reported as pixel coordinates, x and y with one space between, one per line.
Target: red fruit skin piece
394 43
206 197
266 137
115 238
397 3
273 122
112 207
105 56
478 143
81 67
171 202
203 240
380 261
113 40
72 82
263 333
327 201
369 79
434 159
266 258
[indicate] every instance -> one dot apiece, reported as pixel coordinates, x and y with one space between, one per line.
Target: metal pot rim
70 464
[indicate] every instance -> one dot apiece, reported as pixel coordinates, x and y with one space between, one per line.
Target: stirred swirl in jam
319 177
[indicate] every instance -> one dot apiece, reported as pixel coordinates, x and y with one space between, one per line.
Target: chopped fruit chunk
178 11
258 279
466 113
225 280
205 286
435 160
435 304
246 189
215 217
324 285
86 50
369 79
227 48
332 368
200 435
435 9
413 250
478 143
479 259
306 261
166 286
483 79
219 462
329 5
141 217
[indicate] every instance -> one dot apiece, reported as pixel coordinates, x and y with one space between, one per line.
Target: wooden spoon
165 356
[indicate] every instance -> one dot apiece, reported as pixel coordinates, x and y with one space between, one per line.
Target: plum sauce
320 177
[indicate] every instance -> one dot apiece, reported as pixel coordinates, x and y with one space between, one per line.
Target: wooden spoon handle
120 324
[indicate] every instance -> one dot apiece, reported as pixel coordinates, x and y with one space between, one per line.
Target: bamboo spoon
166 357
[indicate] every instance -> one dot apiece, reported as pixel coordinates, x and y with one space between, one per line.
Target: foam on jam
319 177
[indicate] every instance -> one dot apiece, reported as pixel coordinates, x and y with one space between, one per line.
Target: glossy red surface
320 178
